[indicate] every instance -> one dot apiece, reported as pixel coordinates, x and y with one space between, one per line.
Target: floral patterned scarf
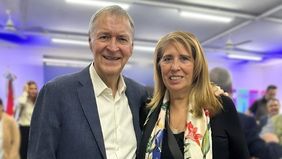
197 136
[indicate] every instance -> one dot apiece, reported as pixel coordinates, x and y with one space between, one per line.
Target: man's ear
90 44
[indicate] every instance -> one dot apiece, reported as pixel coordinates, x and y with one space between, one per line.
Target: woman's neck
179 102
177 114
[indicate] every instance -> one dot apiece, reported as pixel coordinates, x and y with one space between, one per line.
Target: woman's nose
175 65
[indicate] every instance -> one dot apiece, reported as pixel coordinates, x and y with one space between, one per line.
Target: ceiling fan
230 45
12 33
232 51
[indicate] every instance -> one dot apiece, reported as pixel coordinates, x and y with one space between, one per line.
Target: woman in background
23 113
186 119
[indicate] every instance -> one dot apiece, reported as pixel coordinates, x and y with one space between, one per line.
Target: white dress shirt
24 111
115 118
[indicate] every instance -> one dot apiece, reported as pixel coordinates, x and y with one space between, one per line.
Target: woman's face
177 65
32 90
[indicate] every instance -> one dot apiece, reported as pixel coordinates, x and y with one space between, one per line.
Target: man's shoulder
260 100
132 83
66 79
135 89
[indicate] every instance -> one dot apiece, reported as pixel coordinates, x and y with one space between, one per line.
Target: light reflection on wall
244 98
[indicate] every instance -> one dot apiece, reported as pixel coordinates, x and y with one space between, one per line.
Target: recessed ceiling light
98 3
197 15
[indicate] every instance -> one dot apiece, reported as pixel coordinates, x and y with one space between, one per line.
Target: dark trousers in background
24 130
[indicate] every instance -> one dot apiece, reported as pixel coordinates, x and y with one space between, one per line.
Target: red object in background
10 99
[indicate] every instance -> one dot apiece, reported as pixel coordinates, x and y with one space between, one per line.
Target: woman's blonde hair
201 94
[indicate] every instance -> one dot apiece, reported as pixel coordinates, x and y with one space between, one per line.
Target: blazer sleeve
228 137
45 125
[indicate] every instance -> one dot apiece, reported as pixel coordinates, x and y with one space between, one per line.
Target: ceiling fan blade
243 42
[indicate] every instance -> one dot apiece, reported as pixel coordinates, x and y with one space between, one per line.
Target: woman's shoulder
146 113
9 119
227 103
228 108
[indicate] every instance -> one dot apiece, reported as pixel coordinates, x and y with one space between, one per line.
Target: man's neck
112 83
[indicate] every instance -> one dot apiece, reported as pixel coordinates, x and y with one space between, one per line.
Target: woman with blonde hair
186 119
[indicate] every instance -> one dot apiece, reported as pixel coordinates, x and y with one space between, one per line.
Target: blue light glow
25 39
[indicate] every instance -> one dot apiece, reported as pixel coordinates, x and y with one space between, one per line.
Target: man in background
266 147
258 108
273 108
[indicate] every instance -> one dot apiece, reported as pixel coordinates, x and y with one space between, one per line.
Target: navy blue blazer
228 141
65 122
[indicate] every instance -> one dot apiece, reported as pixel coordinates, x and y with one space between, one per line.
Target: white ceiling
257 21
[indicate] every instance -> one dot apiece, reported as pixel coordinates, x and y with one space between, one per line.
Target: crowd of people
99 113
261 144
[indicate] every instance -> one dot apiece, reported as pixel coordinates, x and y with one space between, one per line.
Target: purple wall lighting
24 39
253 95
244 98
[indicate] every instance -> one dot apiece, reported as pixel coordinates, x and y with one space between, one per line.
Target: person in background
186 119
9 136
273 108
23 113
277 124
93 113
264 147
272 123
258 108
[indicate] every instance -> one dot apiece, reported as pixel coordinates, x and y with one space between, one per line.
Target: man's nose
113 46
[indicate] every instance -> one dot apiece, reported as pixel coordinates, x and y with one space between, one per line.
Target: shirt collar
99 85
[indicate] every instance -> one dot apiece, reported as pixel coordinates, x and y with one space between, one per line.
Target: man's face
111 43
271 93
273 107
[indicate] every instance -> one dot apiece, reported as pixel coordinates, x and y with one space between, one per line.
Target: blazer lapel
89 106
134 107
148 129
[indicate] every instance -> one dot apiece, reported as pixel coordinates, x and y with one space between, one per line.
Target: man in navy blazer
93 113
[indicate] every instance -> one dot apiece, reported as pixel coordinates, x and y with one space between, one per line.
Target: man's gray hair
112 10
222 78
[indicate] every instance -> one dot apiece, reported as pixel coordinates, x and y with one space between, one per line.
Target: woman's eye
185 58
167 59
